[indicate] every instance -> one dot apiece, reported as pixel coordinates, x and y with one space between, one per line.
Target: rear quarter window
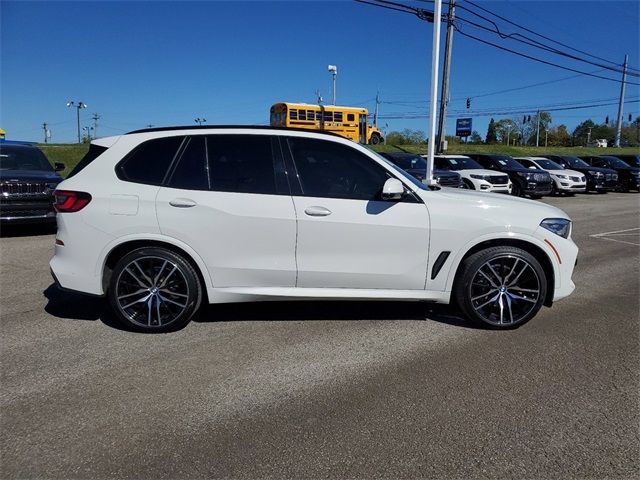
94 152
149 162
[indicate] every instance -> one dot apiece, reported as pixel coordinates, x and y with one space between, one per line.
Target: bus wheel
375 139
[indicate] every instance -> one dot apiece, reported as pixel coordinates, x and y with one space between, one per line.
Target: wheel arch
535 250
115 252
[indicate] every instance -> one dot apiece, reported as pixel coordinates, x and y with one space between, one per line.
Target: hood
481 171
494 203
30 176
570 173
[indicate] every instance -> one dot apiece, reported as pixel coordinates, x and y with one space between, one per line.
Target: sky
140 63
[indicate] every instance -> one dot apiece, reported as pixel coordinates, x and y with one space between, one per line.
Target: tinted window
241 163
94 152
350 117
148 163
190 173
328 169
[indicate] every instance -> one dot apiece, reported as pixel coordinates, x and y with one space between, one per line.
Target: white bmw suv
163 220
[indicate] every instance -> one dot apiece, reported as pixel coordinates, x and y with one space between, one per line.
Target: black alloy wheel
500 287
154 290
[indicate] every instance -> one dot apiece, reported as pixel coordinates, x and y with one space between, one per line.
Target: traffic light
468 103
630 117
529 119
524 119
606 120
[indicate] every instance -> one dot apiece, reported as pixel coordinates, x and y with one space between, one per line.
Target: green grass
70 154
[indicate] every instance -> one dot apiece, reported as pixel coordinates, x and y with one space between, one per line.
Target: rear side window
191 172
94 152
148 162
241 163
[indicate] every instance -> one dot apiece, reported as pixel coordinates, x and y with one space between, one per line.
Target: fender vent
439 263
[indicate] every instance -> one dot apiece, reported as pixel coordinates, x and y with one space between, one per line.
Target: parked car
599 180
27 182
565 181
535 183
631 160
165 219
416 165
473 175
628 177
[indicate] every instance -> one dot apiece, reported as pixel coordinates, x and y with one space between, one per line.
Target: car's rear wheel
500 287
154 290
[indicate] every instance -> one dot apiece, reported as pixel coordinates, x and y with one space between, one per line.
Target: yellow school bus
350 122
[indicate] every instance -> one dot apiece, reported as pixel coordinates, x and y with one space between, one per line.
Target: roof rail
224 127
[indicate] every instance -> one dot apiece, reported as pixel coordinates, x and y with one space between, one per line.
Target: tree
505 130
559 136
406 137
475 138
491 133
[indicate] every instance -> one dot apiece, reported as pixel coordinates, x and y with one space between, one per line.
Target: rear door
348 237
227 198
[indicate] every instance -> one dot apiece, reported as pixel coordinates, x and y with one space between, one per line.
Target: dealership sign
463 127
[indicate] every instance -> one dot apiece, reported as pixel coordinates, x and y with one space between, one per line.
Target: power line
535 59
543 36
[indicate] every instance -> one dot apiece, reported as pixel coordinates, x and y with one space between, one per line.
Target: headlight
559 226
594 173
525 174
479 177
561 176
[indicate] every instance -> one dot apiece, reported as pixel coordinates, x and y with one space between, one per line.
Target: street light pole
621 104
444 96
78 106
435 57
333 70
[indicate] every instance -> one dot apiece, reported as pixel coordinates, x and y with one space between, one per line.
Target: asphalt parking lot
328 390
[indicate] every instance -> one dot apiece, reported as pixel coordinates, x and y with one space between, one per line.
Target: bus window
293 114
302 115
337 116
351 117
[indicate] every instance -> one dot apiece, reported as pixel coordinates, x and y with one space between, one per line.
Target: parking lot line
620 233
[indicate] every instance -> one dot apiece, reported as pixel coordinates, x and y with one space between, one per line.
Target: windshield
409 161
576 162
23 158
404 174
633 160
506 162
548 165
616 162
458 163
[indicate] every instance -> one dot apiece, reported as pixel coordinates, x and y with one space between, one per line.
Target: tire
516 191
500 287
468 184
375 139
554 189
536 197
154 290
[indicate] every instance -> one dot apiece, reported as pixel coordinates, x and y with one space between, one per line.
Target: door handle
182 203
317 211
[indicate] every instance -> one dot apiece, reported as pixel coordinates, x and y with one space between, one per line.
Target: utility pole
538 129
95 119
444 96
318 97
589 136
620 105
375 115
46 131
509 133
433 98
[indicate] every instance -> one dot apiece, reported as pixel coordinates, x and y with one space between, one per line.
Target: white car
473 174
564 181
162 220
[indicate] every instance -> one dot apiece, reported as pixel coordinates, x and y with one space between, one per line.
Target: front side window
148 162
332 170
241 163
351 117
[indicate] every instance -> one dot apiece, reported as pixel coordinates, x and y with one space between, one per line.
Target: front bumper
31 209
537 188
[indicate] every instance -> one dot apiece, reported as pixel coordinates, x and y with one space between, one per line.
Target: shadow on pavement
28 230
73 306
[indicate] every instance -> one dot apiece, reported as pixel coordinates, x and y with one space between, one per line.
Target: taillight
67 201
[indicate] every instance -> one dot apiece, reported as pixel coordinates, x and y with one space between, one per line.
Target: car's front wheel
154 290
500 287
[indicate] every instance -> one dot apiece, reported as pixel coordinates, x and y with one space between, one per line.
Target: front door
348 237
362 129
227 199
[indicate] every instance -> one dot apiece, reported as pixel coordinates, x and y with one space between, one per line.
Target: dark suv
599 180
27 182
631 160
526 181
628 177
417 166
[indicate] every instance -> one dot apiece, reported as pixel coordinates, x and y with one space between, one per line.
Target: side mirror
58 166
392 189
